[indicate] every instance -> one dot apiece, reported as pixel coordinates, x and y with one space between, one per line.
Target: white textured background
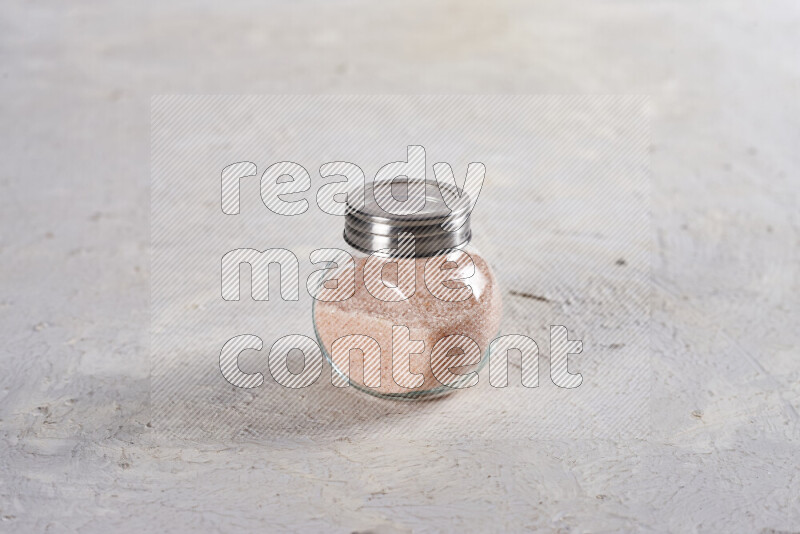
76 81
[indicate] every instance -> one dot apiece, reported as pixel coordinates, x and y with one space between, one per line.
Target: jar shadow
326 411
210 412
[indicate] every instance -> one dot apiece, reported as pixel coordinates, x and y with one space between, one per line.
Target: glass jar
411 310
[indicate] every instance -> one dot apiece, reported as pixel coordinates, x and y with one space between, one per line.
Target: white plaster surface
76 451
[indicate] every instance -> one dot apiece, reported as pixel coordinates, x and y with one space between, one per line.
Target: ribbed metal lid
369 227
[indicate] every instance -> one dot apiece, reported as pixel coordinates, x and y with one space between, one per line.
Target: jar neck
395 249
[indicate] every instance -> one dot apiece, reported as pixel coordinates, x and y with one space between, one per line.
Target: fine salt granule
428 319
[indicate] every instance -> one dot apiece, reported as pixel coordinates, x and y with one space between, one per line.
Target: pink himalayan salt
428 318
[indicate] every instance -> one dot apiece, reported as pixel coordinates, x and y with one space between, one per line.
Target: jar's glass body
408 328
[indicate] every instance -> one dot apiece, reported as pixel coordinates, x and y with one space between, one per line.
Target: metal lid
369 227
